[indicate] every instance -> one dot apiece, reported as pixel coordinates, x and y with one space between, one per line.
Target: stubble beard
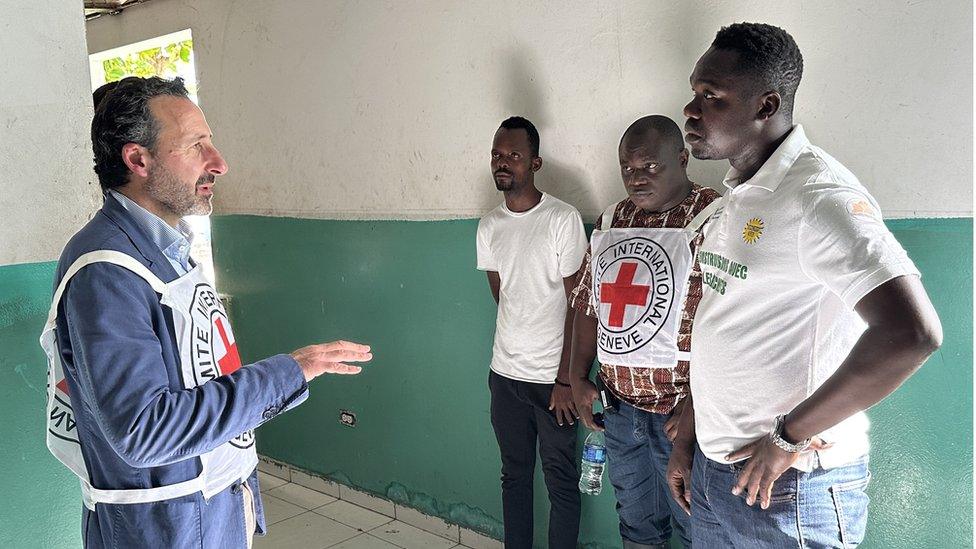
173 194
506 186
702 152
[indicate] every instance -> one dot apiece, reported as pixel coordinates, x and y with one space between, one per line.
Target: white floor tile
301 496
364 541
269 482
305 531
315 483
276 510
368 501
470 538
410 537
353 515
434 525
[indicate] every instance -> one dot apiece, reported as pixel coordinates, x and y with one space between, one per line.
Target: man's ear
137 158
769 105
683 157
536 163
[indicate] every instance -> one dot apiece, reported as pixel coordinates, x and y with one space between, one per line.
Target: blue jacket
138 427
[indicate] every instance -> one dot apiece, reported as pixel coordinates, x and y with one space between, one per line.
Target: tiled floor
299 517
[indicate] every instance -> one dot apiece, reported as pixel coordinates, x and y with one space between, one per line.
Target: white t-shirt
783 265
532 252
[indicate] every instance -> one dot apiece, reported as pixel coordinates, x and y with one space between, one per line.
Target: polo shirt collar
772 172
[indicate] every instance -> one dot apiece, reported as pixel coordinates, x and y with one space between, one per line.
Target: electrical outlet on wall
347 418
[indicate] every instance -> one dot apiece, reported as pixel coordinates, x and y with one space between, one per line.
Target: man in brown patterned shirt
653 164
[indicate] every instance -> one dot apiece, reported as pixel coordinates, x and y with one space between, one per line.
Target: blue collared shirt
174 243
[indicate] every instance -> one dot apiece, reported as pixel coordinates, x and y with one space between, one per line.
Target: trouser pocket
851 505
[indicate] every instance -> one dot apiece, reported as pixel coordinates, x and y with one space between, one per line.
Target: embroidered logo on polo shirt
753 230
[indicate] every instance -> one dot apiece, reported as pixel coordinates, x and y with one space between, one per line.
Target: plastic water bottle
594 460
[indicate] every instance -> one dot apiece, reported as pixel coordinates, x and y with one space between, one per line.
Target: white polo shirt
783 264
532 251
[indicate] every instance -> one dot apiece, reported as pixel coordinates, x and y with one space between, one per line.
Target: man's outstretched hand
331 358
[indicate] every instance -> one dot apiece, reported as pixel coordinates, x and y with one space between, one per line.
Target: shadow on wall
525 97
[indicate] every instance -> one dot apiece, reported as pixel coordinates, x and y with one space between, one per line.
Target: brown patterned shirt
655 390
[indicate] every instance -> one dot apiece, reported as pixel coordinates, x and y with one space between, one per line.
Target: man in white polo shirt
531 246
811 313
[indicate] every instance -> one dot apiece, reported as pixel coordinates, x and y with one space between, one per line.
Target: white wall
48 189
387 109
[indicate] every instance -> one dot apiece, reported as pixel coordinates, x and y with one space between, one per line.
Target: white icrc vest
207 351
640 280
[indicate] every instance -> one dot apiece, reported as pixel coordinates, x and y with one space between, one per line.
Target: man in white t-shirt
811 313
531 247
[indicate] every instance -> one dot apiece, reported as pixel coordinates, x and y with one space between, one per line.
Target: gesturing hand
331 358
767 462
561 401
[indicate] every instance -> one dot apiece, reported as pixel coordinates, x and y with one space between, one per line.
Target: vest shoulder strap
699 220
102 256
606 219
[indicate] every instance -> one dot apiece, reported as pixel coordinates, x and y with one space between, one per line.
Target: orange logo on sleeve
861 207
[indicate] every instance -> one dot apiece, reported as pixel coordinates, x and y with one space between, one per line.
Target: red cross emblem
231 361
622 292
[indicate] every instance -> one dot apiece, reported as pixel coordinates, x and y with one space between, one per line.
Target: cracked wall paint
453 512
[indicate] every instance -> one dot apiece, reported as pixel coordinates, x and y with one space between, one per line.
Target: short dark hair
103 90
665 129
123 116
519 123
768 52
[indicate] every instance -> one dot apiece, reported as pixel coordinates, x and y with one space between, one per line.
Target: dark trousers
520 415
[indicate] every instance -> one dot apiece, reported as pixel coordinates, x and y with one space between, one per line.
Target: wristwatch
777 437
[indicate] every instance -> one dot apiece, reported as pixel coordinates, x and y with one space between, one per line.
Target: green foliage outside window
161 62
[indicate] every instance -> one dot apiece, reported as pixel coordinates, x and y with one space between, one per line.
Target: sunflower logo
753 230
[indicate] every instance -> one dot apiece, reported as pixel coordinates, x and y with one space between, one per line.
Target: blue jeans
637 462
822 508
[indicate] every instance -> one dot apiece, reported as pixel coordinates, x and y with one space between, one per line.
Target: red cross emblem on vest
623 292
231 361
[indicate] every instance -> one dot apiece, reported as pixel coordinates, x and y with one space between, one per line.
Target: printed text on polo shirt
723 264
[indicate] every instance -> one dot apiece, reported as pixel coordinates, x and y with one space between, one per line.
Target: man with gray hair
148 402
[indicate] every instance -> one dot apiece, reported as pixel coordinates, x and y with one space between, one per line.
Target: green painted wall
41 506
424 439
410 289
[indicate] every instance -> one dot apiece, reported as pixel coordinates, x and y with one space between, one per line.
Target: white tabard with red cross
640 279
208 350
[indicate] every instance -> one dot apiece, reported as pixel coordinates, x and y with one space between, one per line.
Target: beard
702 152
167 189
506 184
